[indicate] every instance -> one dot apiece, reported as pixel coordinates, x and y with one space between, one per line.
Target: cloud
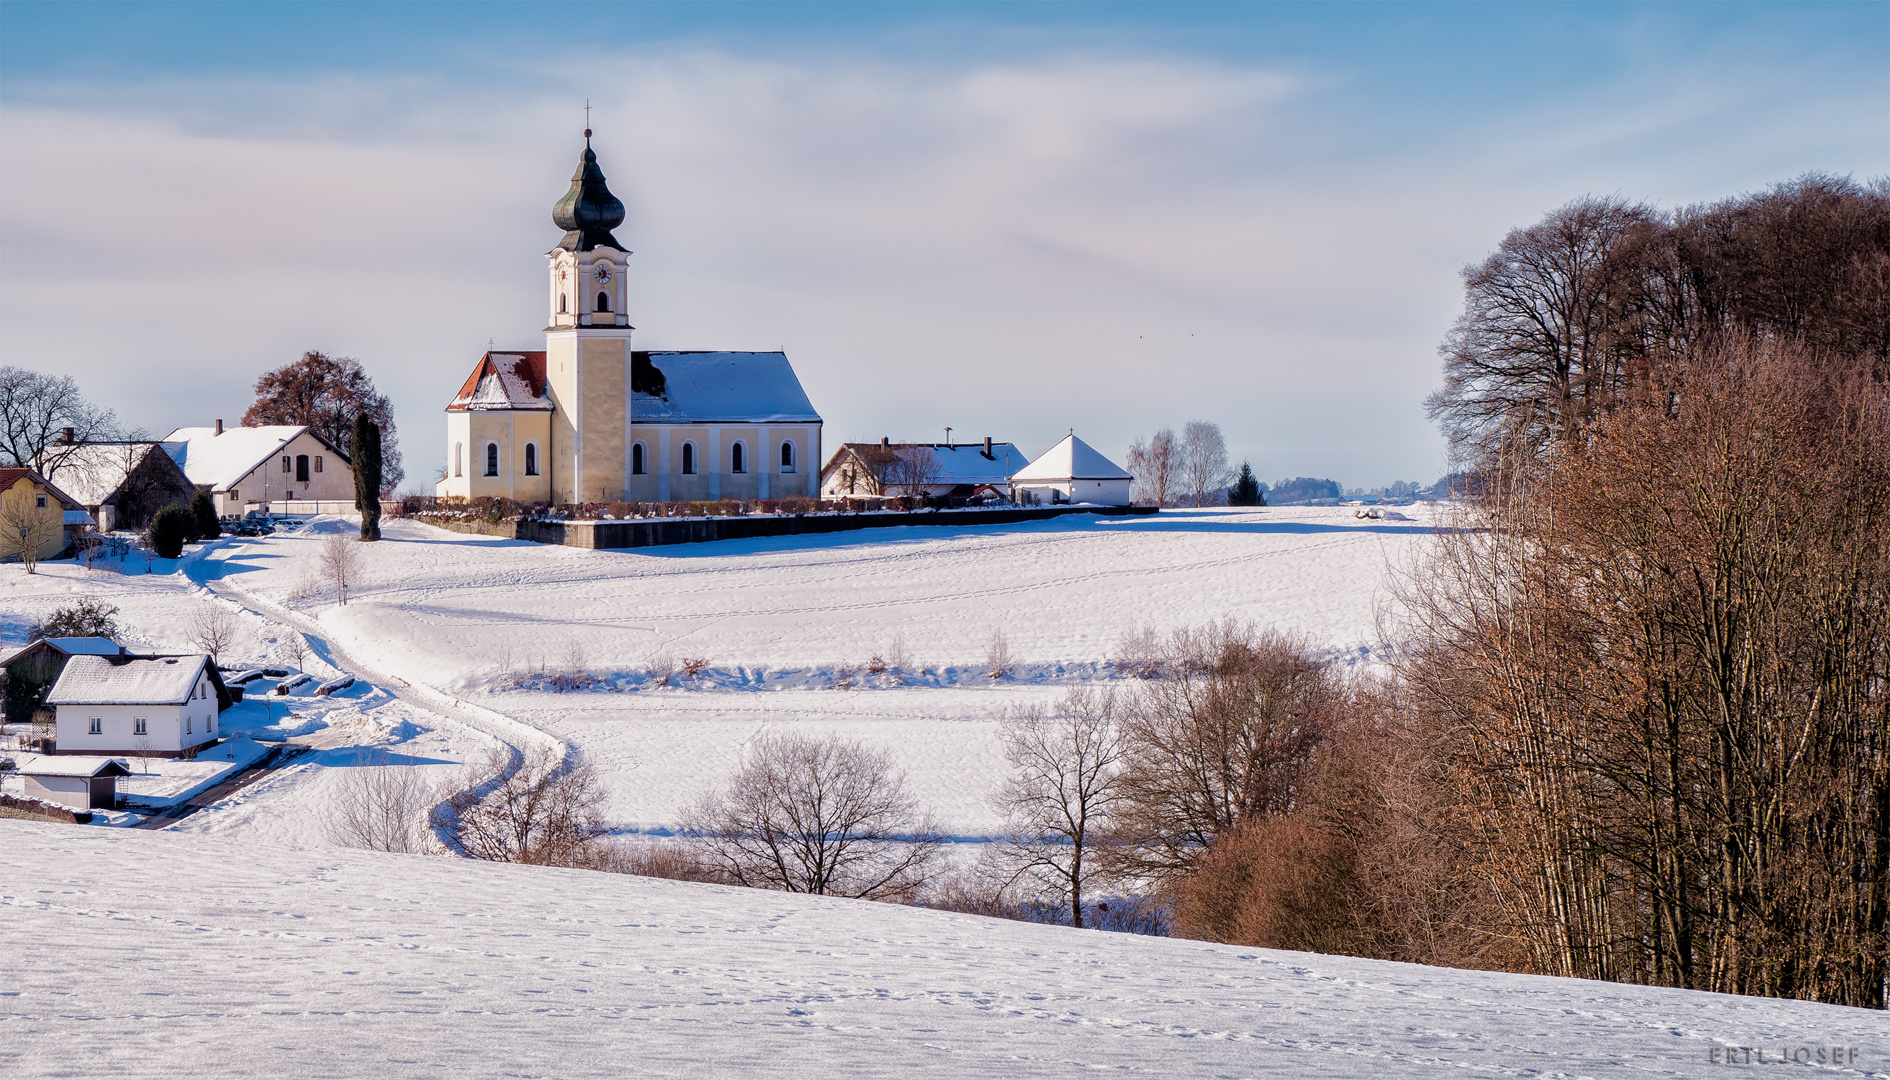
1112 242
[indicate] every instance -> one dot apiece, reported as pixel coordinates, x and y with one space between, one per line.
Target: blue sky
1010 218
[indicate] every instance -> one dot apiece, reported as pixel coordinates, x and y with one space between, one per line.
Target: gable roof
75 765
66 646
93 473
958 463
720 387
221 461
101 680
10 477
504 380
1071 459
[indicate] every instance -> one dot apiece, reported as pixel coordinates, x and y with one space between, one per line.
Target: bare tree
141 749
1156 466
539 810
827 816
295 647
35 410
1225 735
1065 783
382 806
27 528
212 628
914 468
340 561
1204 469
998 663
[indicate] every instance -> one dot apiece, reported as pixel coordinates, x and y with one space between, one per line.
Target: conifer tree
1246 489
365 452
205 512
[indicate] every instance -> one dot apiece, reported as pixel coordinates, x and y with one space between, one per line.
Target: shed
1072 471
83 783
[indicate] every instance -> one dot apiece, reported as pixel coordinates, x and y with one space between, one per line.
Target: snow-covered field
783 622
163 954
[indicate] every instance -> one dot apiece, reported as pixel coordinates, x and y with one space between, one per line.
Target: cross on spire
587 121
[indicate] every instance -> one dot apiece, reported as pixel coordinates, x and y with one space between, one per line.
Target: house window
689 459
531 459
286 464
188 729
137 726
787 457
738 458
458 453
636 459
95 726
603 301
301 468
235 495
39 502
318 463
492 459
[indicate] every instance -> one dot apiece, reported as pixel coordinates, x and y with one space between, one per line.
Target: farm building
83 783
158 706
957 470
121 484
272 463
1072 472
33 668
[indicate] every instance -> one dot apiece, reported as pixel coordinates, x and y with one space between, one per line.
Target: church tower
587 342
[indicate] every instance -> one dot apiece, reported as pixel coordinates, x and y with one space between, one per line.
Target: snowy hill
161 955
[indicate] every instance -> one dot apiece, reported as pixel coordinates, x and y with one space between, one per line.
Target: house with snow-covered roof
268 463
83 783
41 520
122 484
953 470
1072 471
163 706
589 419
33 668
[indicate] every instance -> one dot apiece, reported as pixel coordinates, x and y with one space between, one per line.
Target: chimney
988 455
885 442
219 427
67 437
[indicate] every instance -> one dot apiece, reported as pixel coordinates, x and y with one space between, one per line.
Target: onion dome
588 211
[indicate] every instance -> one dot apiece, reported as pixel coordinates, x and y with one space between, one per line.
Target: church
589 419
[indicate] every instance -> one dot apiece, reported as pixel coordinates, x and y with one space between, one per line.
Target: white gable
221 461
1071 459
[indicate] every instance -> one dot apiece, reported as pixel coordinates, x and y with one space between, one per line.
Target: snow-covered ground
784 622
160 955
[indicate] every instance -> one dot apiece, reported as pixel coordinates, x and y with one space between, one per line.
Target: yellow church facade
590 419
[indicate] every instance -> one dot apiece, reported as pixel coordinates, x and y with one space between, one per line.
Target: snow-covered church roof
504 380
718 388
1071 459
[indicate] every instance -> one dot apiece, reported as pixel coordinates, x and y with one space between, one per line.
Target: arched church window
564 303
689 459
603 301
531 459
738 458
636 459
787 457
492 459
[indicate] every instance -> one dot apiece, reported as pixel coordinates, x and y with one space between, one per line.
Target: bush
88 617
204 512
172 528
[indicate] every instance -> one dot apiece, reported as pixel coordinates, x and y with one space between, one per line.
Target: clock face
602 273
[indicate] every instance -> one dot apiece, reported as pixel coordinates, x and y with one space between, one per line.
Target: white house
83 783
272 463
950 469
163 706
1072 472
